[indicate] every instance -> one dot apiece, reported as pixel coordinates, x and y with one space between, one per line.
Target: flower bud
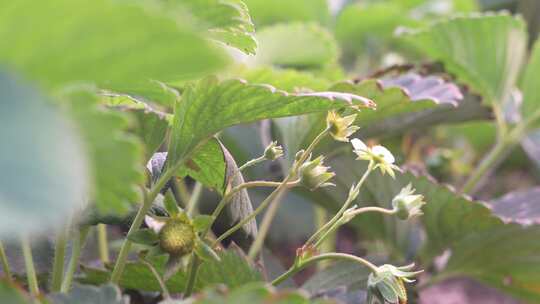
177 237
340 127
407 204
273 151
387 284
298 155
314 175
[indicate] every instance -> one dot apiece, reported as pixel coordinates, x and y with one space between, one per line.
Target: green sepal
205 252
144 236
170 204
202 222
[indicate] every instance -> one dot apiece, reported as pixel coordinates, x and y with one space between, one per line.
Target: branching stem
325 256
5 262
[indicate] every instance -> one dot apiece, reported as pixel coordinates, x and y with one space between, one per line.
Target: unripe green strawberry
177 237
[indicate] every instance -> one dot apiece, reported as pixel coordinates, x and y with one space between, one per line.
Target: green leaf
105 45
211 106
11 294
170 203
505 257
115 156
207 166
349 276
144 236
269 12
151 127
366 28
205 252
232 271
254 293
296 45
404 103
45 173
285 79
226 21
529 86
202 222
466 47
476 239
81 294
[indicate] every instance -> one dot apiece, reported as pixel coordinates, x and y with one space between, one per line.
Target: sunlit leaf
530 84
296 45
466 47
98 41
269 12
226 21
211 106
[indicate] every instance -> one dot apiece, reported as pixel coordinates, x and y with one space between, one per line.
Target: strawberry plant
230 151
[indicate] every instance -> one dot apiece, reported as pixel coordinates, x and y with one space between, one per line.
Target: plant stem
194 199
252 162
59 257
162 285
274 198
325 256
356 212
193 268
321 217
137 221
29 265
103 243
183 192
344 208
194 262
5 262
76 247
496 153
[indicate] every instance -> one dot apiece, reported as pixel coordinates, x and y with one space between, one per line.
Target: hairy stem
29 265
275 198
103 244
356 212
344 208
193 268
194 199
5 262
321 217
325 256
137 221
162 285
59 257
497 152
78 242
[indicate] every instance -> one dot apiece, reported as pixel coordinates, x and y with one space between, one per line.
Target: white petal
153 223
358 145
384 153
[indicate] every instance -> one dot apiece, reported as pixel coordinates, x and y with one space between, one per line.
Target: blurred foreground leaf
83 294
44 171
100 42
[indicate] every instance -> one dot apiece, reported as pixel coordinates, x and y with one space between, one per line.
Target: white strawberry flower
382 157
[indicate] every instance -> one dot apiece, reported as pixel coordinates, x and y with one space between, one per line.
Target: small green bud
273 151
314 175
407 204
177 237
298 155
340 127
386 285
